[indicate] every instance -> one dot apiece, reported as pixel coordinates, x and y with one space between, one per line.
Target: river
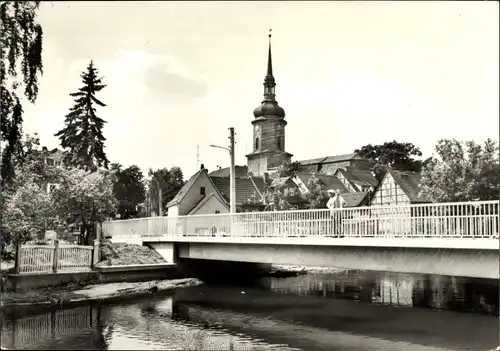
348 310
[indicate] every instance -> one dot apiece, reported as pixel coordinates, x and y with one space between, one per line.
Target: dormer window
202 191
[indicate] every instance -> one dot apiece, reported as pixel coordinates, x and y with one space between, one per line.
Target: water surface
343 311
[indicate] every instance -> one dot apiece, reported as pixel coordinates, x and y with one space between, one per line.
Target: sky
348 73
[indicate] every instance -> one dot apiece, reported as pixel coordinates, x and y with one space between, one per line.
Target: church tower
268 129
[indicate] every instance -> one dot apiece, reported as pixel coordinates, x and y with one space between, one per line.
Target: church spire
269 106
269 82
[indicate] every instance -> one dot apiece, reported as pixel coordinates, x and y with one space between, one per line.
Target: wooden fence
55 258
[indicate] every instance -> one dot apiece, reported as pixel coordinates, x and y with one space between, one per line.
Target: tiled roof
241 171
365 177
185 188
355 199
329 181
245 188
330 159
409 183
332 182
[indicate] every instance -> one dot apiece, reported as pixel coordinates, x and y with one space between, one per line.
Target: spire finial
269 60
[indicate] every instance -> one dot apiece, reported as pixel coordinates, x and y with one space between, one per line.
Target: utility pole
232 173
159 198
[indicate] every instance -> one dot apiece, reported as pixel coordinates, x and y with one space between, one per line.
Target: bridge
459 239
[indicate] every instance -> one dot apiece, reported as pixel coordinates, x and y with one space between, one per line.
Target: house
52 158
198 196
357 180
398 188
207 194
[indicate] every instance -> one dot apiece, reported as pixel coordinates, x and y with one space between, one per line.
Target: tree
27 210
128 189
168 181
27 214
317 196
82 133
462 172
20 68
399 156
85 198
289 169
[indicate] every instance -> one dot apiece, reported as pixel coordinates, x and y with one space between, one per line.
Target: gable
389 192
210 205
191 193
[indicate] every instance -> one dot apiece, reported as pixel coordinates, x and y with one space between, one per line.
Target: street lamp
232 172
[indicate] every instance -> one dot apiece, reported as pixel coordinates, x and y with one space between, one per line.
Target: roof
331 159
187 186
203 201
409 183
363 177
330 181
241 171
355 199
245 188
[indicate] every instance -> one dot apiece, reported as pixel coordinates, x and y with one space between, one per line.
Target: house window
50 161
202 191
217 212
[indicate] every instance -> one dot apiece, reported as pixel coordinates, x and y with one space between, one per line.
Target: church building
350 173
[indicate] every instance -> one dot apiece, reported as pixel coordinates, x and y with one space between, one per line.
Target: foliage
169 181
27 213
317 196
20 67
399 156
82 133
129 190
462 172
277 198
86 198
289 169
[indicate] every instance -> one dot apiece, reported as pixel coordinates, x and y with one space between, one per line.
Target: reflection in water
144 325
309 312
396 289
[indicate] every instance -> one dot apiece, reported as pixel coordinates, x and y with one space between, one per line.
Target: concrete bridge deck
458 239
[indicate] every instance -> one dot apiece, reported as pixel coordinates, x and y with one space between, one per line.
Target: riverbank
74 293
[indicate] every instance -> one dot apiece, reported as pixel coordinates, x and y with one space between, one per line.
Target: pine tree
82 136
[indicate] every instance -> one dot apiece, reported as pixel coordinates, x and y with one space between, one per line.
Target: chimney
45 149
202 167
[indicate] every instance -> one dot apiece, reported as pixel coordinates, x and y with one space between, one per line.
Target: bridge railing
459 220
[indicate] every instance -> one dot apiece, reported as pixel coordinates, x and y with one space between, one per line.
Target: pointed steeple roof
269 106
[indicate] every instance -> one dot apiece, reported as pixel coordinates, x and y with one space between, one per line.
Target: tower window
278 143
256 143
202 191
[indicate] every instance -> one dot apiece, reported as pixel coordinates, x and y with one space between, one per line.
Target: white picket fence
451 220
54 258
